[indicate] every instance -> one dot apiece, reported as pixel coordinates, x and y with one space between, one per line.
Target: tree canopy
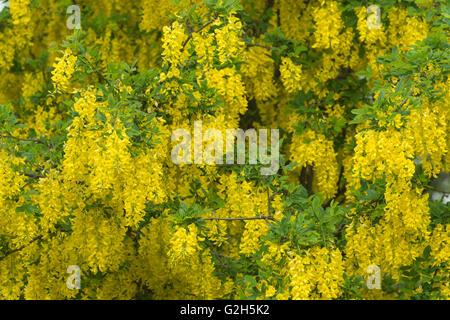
90 97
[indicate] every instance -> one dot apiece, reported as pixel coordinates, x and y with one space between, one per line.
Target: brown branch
38 176
32 175
259 45
269 4
403 102
94 69
277 193
24 139
339 230
22 247
240 218
197 31
306 177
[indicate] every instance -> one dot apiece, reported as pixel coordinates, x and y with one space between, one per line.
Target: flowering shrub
360 98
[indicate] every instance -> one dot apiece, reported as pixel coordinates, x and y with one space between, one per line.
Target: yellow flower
64 68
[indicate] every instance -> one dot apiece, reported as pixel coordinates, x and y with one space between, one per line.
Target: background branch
22 247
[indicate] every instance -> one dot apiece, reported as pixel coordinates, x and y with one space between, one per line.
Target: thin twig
276 193
96 70
240 218
24 139
22 247
32 175
197 31
259 45
403 102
